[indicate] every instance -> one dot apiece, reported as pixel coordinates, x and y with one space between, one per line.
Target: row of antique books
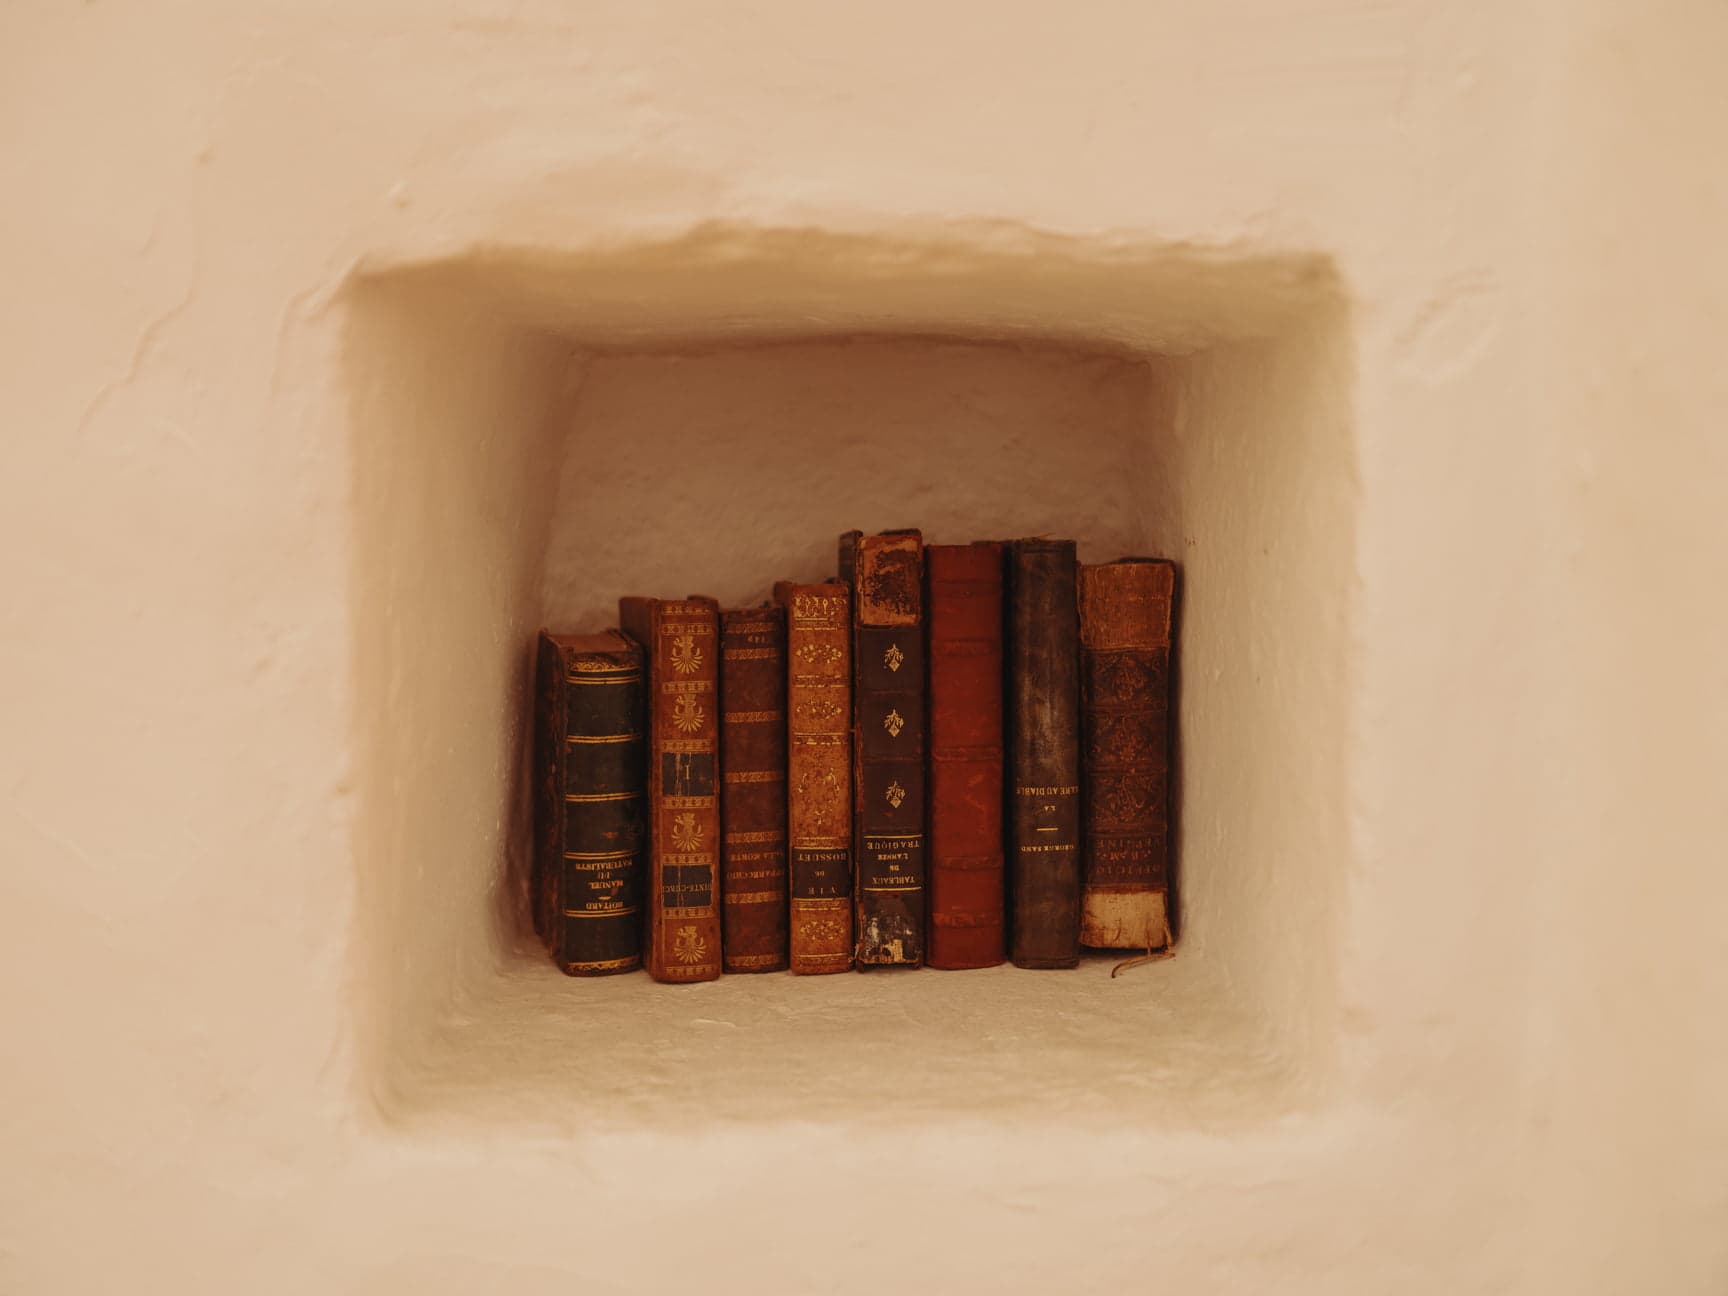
948 755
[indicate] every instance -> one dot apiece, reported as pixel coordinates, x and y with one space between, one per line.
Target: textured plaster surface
721 469
304 303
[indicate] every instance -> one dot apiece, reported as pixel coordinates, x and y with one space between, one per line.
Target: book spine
590 897
1044 754
550 726
753 876
966 864
1125 612
819 774
888 737
681 638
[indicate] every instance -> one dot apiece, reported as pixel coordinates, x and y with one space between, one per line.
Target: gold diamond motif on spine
896 794
894 722
893 658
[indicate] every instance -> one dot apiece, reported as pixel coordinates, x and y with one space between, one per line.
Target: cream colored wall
1627 1030
1521 203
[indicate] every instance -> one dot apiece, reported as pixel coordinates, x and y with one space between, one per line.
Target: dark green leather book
590 787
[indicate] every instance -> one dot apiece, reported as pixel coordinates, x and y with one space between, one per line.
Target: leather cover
680 638
1125 611
1044 753
819 773
588 801
887 577
753 882
966 873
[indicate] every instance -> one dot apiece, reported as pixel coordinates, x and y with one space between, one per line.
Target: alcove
538 431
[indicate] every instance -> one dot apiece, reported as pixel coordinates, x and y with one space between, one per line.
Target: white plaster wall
1522 203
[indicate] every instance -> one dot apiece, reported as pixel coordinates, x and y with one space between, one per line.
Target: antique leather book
886 573
1125 612
966 874
588 795
819 773
1044 753
753 876
680 638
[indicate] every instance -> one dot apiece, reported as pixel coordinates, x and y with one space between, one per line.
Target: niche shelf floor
1158 1046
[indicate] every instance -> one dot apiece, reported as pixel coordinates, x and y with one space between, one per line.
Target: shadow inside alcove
537 433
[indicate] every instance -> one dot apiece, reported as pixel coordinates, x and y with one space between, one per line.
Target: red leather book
819 773
753 789
680 639
1125 611
966 861
588 794
887 576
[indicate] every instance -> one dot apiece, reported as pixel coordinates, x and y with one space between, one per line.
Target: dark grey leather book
1044 753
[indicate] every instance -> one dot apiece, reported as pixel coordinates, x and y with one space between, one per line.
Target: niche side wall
454 415
1249 476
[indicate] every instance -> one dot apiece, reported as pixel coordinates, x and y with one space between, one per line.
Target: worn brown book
1125 616
588 785
819 773
680 638
966 869
753 877
886 573
1044 753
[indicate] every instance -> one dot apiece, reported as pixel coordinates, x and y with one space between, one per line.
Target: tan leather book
1125 619
681 639
819 773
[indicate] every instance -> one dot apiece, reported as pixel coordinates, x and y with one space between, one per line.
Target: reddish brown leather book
1044 753
753 882
966 863
680 638
886 573
1125 612
819 773
588 802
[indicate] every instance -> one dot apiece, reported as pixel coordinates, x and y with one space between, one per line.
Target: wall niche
538 431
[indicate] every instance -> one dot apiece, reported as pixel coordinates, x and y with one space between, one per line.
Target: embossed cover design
819 773
965 847
753 870
1125 620
886 573
681 641
588 801
1044 753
